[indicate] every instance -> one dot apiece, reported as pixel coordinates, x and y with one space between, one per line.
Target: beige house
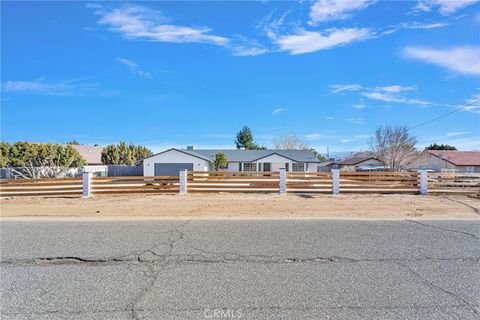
441 160
361 164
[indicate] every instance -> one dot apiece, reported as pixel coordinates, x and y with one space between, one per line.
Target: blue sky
169 74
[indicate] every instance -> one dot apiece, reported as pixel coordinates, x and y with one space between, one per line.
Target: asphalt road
283 269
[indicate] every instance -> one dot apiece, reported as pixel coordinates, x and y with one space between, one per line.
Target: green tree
40 160
441 147
318 155
4 154
122 153
74 142
220 161
245 140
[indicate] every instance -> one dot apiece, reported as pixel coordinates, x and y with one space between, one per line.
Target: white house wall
173 156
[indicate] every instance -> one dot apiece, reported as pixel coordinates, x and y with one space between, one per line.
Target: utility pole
328 154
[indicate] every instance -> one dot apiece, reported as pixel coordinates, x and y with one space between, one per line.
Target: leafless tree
289 142
393 145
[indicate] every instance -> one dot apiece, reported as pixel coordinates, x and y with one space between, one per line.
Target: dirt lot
242 206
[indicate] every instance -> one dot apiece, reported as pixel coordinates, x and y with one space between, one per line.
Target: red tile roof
458 158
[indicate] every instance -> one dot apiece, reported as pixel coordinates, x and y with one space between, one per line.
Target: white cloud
359 106
337 88
61 88
314 136
141 23
394 89
134 68
328 10
355 120
310 41
392 93
464 60
330 118
445 7
454 134
278 111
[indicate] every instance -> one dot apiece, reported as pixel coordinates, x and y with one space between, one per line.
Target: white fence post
423 182
87 184
283 181
182 176
336 181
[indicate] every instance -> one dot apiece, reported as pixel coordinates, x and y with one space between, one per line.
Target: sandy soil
243 206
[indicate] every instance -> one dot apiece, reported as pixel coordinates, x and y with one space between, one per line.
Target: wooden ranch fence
237 181
256 182
463 183
379 182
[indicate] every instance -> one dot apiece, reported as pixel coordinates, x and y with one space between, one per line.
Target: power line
444 115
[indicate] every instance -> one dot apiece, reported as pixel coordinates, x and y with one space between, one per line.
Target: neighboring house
93 157
171 161
361 164
326 166
91 154
438 160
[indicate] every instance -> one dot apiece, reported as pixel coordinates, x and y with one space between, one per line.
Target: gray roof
355 160
239 155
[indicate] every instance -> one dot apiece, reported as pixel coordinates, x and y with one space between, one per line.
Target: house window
249 166
266 167
298 167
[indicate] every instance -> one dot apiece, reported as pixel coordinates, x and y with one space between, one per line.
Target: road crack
445 229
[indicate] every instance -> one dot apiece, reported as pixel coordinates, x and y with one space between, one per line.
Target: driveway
251 269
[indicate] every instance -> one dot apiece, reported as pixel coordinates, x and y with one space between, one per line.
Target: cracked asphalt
244 269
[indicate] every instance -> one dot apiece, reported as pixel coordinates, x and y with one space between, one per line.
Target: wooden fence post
335 181
423 182
87 184
182 176
283 181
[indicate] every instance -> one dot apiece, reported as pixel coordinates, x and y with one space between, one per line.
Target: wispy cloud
355 120
141 23
463 60
310 41
314 136
40 86
134 68
445 7
278 111
359 106
391 93
458 133
328 10
337 88
330 118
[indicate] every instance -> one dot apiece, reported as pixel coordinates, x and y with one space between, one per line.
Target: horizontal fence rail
41 187
454 183
379 182
131 184
236 181
309 182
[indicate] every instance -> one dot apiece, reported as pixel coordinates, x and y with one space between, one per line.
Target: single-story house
440 160
171 161
326 166
91 154
93 157
361 164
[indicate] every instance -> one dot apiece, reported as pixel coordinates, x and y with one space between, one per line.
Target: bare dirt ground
243 206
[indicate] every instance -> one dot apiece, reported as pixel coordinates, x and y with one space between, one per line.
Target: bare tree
289 142
393 145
